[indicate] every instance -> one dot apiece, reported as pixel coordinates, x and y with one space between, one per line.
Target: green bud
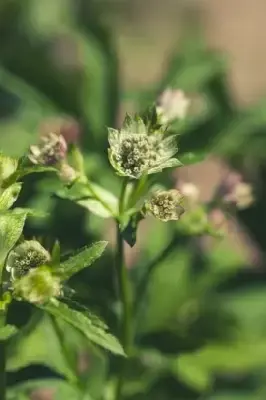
25 257
50 151
165 205
38 286
195 221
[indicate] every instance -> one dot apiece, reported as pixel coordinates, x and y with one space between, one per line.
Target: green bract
166 205
26 256
134 152
8 166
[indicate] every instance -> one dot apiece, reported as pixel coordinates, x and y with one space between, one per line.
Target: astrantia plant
37 275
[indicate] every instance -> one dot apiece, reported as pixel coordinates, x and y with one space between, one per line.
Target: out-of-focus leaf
31 346
9 196
7 331
61 390
192 374
81 260
192 158
94 332
130 231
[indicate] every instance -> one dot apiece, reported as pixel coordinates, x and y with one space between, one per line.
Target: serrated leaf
95 333
11 227
9 196
7 331
31 347
83 259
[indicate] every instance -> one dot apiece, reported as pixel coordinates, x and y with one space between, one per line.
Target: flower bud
172 104
166 205
243 195
38 286
26 256
51 150
191 193
67 173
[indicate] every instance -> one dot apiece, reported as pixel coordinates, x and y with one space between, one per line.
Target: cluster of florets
134 151
26 256
166 205
37 286
51 150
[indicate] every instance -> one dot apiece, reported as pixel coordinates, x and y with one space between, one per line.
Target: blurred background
77 66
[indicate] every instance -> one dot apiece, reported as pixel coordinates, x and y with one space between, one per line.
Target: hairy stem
125 298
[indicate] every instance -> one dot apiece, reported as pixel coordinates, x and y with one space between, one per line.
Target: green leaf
31 347
93 197
21 172
9 196
130 232
192 158
8 166
56 252
7 331
61 389
192 374
95 332
11 223
81 260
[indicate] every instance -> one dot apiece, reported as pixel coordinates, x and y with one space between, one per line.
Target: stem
125 296
2 351
138 190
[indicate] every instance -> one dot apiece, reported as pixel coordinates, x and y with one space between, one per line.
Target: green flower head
38 286
134 152
165 205
26 256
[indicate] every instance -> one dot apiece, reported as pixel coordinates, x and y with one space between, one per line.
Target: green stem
96 196
138 190
125 296
2 352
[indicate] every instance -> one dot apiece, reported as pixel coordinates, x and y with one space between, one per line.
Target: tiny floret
166 205
25 257
134 152
51 150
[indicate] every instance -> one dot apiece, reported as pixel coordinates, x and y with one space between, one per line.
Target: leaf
31 347
94 332
56 251
192 374
192 158
8 166
9 196
11 227
96 199
130 232
61 389
82 259
7 331
21 172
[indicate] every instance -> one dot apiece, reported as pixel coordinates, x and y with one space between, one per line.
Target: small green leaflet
11 227
192 158
92 330
81 260
9 196
7 331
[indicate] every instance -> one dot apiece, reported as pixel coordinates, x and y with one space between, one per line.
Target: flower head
166 205
51 150
134 152
172 104
38 286
242 196
25 257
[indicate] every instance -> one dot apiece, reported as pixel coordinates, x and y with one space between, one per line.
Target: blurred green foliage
201 326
